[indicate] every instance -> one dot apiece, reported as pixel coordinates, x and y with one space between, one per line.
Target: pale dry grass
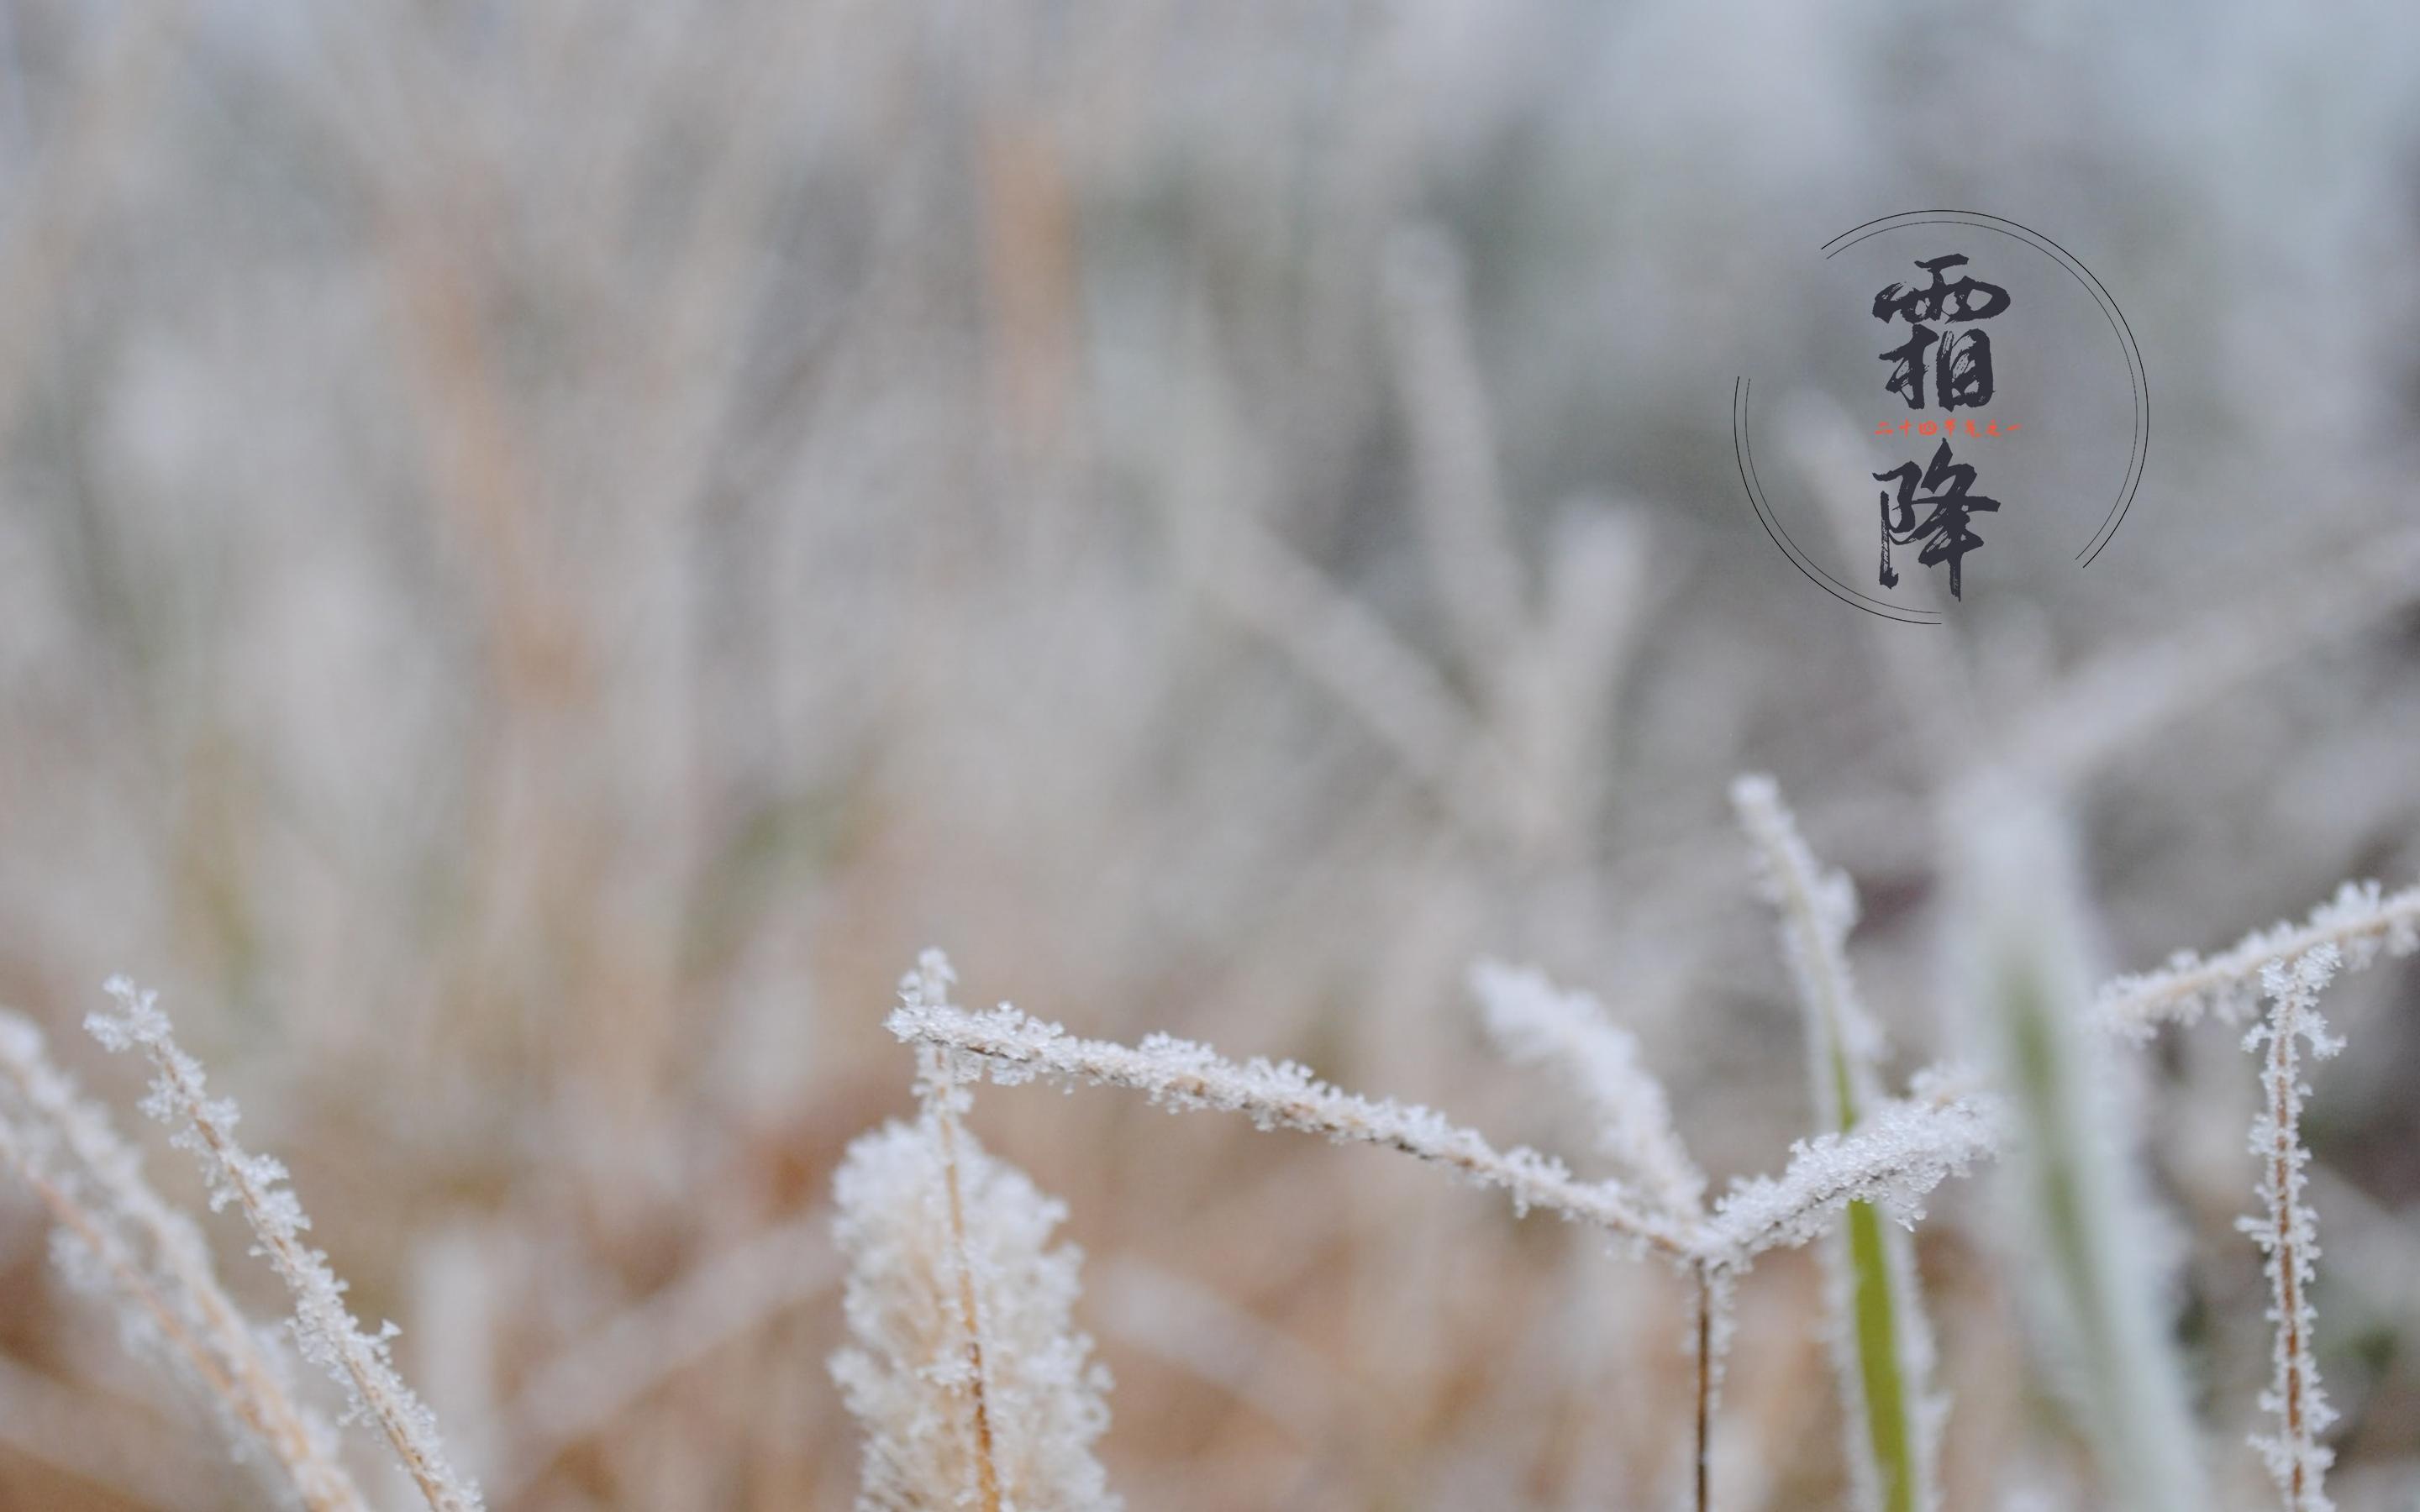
544 549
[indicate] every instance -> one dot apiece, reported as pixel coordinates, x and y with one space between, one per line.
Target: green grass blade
2078 1221
1885 1400
1881 1347
1889 1435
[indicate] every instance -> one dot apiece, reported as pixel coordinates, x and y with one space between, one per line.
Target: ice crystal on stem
1880 1341
1536 1024
1817 907
2286 1229
330 1336
1893 1158
1183 1076
117 1238
972 1386
2359 923
2292 965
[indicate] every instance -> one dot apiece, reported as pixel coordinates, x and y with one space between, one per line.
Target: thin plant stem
1705 1384
986 1473
2289 1297
255 1185
94 1190
2286 1230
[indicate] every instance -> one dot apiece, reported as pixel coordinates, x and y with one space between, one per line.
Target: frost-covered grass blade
1881 1343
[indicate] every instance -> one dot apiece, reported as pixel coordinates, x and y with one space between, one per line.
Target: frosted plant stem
1896 1155
241 1380
975 1390
946 1118
1882 1345
93 1187
87 1231
1889 1164
1181 1076
2360 924
328 1332
1535 1024
2282 1177
2287 1231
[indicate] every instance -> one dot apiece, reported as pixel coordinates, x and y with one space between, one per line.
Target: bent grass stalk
2361 923
328 1332
92 1184
1892 1161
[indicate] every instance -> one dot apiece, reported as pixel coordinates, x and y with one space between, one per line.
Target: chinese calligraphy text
1958 361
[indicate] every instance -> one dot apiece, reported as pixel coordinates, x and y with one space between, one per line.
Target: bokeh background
545 548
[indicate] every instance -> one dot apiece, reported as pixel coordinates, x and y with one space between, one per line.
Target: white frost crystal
324 1328
2359 924
2286 1229
972 1387
1893 1158
1538 1024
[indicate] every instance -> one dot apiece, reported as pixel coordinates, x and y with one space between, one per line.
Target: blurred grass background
544 549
